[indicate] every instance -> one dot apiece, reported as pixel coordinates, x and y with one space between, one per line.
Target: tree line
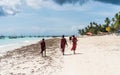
110 26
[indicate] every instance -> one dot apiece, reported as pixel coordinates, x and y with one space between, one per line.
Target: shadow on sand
67 54
72 54
78 53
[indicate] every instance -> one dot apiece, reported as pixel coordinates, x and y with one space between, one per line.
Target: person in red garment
63 44
43 47
74 43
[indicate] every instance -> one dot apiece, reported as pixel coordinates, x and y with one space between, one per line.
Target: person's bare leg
45 53
74 51
41 53
63 53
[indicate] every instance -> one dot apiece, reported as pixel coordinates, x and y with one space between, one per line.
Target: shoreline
17 43
28 60
96 55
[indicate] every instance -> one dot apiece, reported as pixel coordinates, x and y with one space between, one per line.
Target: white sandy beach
95 55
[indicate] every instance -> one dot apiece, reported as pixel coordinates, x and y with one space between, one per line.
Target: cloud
61 2
116 2
9 7
12 7
2 13
40 3
34 3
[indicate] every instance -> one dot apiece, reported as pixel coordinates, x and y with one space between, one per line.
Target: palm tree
91 24
93 27
107 21
112 28
86 30
116 16
83 32
80 31
113 20
117 22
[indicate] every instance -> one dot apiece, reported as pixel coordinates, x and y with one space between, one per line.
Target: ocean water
11 44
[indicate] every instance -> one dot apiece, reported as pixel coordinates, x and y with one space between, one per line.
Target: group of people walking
72 39
63 44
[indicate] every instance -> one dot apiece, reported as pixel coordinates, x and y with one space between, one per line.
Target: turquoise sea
11 44
17 40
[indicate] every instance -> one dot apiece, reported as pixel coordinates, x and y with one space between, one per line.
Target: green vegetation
110 26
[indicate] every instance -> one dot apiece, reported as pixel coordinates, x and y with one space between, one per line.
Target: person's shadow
78 53
72 54
67 54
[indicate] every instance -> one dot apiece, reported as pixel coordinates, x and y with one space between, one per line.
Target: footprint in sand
41 62
11 73
25 68
32 71
38 69
35 66
115 49
18 67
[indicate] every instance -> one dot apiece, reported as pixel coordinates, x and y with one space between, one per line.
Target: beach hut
89 33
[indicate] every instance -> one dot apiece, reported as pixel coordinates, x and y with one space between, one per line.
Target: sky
53 17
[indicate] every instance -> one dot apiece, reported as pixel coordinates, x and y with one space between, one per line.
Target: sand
95 55
28 60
